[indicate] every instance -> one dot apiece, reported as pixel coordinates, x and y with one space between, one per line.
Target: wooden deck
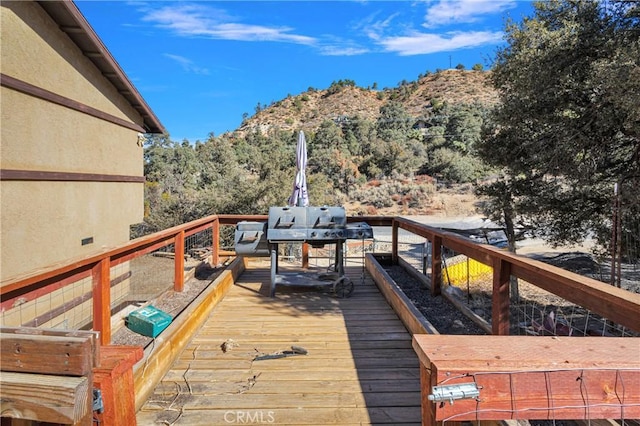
360 367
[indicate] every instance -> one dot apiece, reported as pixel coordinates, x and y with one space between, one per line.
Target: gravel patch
171 302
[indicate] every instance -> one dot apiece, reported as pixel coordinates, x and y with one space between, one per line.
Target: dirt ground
152 284
444 316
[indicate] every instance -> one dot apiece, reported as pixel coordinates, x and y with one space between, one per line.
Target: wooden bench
47 375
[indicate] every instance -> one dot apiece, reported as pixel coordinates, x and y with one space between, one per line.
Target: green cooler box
148 321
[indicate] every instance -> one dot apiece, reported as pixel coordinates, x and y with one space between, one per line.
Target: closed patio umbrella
300 196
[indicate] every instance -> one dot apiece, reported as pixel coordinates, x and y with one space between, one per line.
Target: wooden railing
615 304
610 302
97 266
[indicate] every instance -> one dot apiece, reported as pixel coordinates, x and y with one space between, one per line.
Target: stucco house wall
72 179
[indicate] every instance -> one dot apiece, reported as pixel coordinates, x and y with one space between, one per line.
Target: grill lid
299 223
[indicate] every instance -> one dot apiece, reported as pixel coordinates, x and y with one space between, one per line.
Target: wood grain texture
159 358
530 377
360 367
46 354
114 378
410 316
46 398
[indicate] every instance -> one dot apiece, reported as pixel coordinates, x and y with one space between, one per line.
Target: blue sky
201 65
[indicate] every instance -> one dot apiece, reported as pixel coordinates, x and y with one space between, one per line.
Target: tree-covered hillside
545 143
247 173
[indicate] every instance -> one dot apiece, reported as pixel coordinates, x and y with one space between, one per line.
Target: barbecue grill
251 239
317 226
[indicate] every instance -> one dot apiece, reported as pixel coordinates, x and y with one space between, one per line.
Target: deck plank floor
360 367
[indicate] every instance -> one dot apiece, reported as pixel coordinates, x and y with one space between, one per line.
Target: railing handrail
12 286
613 303
85 263
98 265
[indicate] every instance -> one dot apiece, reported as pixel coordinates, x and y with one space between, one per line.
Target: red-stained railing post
100 276
394 242
500 297
436 265
178 283
215 243
305 255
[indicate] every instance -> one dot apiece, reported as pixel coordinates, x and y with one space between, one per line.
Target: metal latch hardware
98 405
453 392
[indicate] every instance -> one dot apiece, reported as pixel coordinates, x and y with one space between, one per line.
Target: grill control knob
313 234
339 234
327 233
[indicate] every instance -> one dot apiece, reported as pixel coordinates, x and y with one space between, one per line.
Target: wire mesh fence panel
539 313
529 378
66 307
199 246
469 281
551 394
533 311
68 304
152 275
412 248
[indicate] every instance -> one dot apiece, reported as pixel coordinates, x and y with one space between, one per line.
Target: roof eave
71 21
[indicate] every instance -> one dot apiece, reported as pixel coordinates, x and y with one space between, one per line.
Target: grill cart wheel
343 287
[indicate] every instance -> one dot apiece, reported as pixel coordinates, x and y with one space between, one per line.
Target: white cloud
343 50
425 43
373 27
446 12
187 64
200 21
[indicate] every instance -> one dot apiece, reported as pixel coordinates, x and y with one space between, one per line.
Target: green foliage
393 121
452 166
329 155
337 86
450 142
249 173
358 133
567 129
464 127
